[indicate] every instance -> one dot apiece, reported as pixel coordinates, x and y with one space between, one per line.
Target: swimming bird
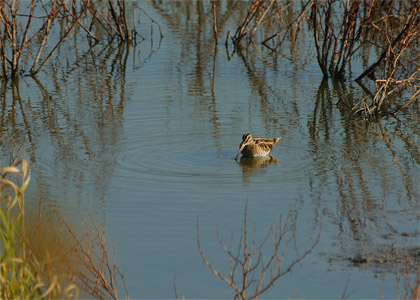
255 146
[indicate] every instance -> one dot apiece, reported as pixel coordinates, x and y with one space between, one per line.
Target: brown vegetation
97 274
25 29
43 261
342 31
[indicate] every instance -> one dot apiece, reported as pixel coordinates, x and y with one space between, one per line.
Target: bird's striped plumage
255 146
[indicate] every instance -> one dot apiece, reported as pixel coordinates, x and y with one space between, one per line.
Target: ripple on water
171 156
199 158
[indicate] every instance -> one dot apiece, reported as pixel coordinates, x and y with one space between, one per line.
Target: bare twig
334 49
97 272
78 21
305 9
409 33
212 269
64 36
150 18
213 2
242 30
249 259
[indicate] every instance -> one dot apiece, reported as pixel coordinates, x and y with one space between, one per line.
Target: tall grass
22 274
49 262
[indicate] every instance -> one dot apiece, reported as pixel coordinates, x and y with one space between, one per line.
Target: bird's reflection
252 165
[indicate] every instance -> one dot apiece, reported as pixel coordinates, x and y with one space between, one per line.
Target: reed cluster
25 28
23 275
385 35
39 261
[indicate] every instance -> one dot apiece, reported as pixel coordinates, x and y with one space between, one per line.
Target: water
147 137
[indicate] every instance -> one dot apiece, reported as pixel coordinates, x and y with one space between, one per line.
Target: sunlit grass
23 273
45 258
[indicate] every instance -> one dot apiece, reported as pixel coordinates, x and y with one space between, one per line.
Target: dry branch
78 22
408 35
247 265
385 88
213 3
335 48
97 273
18 31
243 30
305 9
61 40
393 59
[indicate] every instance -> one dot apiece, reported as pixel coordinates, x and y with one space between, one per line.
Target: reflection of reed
216 124
194 21
198 45
64 111
264 91
354 157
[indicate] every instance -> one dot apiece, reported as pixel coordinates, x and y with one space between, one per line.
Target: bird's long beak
241 147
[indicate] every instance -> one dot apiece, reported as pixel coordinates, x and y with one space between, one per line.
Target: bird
255 146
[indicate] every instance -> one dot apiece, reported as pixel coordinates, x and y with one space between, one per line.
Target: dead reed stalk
13 40
75 21
120 19
213 4
403 40
18 30
296 22
393 61
249 266
335 47
97 273
243 30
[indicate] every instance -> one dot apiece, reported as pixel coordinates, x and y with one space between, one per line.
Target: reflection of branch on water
408 289
216 124
251 264
354 155
265 92
153 50
323 108
177 286
63 112
12 119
